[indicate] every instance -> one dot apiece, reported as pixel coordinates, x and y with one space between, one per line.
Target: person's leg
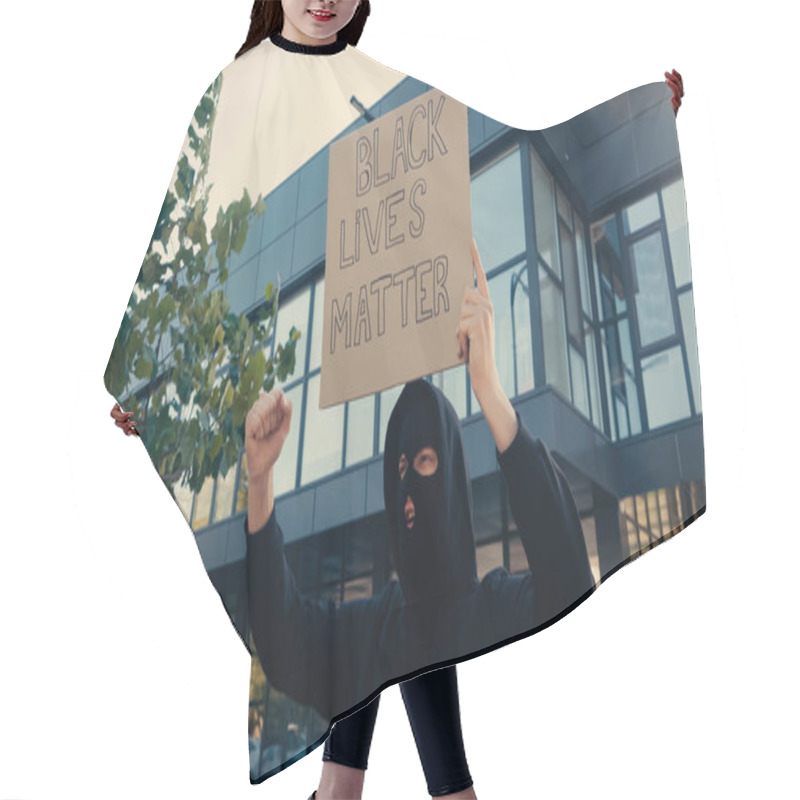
433 710
344 758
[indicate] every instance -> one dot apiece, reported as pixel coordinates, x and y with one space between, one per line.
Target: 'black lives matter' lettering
419 290
368 174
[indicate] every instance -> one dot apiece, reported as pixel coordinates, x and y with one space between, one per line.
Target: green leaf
219 335
148 273
203 111
185 178
167 207
239 409
166 308
227 398
240 237
216 446
184 387
253 375
143 368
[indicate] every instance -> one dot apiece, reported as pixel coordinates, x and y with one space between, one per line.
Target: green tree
177 332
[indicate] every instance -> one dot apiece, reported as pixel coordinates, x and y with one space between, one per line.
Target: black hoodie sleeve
312 650
548 524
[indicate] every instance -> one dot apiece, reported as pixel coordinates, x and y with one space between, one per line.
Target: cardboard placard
397 256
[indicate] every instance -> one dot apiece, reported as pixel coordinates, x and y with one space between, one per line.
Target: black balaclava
435 559
419 429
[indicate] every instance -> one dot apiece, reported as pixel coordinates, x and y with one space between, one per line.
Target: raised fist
265 430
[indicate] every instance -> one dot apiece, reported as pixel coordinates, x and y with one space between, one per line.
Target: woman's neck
294 34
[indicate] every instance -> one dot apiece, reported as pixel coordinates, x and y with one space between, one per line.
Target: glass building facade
590 280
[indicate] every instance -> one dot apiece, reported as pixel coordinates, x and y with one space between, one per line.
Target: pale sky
278 108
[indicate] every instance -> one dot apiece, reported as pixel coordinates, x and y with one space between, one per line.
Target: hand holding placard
475 332
476 345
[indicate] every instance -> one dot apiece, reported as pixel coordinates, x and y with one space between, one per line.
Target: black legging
432 706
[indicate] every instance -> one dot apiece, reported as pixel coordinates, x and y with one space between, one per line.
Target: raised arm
312 650
318 653
548 523
540 498
292 632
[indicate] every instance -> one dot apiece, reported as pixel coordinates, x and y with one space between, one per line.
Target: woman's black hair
266 18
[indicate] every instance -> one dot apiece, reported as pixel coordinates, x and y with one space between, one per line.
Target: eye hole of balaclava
419 429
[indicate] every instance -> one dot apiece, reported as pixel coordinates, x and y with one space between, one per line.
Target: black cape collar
308 49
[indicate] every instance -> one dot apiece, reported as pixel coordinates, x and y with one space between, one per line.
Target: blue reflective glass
651 290
498 224
665 389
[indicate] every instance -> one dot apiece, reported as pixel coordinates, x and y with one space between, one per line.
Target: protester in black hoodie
337 659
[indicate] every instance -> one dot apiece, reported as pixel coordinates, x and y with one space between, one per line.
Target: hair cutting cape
583 235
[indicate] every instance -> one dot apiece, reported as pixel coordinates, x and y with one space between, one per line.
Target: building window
360 429
388 399
686 305
674 202
640 214
315 356
498 222
521 328
620 379
580 389
607 255
583 268
544 214
665 391
594 376
664 349
512 330
324 434
513 345
453 384
651 295
568 328
630 393
572 288
554 334
293 312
